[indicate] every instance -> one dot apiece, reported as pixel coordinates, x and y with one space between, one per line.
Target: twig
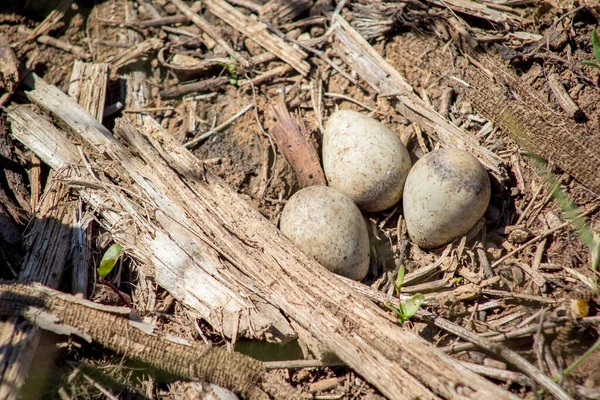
78 51
200 86
345 97
497 373
522 296
302 156
563 97
297 364
541 236
216 129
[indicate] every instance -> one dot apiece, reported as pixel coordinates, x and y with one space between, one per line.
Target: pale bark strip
295 147
87 86
381 76
168 253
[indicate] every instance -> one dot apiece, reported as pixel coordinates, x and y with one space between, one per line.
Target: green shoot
596 48
571 367
405 311
573 213
400 279
109 260
231 70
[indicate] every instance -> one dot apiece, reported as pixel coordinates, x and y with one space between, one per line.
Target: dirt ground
544 300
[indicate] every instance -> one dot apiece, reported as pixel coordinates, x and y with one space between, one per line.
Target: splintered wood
52 232
170 251
382 77
301 155
198 223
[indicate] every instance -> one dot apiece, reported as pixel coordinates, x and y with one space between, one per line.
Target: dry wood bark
380 75
170 251
518 110
48 244
50 240
9 70
301 155
117 329
87 86
239 246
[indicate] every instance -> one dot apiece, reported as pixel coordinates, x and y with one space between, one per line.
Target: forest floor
527 272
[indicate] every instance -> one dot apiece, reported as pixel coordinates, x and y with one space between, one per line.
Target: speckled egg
446 193
363 159
327 226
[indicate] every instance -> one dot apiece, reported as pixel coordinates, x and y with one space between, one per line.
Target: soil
426 43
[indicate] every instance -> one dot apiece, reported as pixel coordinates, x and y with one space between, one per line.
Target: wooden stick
301 155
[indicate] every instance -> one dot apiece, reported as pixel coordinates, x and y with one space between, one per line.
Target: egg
446 193
365 160
327 226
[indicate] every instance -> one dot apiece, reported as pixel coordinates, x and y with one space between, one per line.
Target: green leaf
591 64
109 260
412 306
596 44
400 278
231 70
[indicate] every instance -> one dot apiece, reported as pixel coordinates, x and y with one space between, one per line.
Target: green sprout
573 214
596 48
405 311
571 367
109 259
231 68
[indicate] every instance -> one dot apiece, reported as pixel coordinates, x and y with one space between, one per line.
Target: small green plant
108 262
109 259
573 213
231 68
405 311
596 48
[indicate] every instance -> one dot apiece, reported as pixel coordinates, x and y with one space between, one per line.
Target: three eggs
368 168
